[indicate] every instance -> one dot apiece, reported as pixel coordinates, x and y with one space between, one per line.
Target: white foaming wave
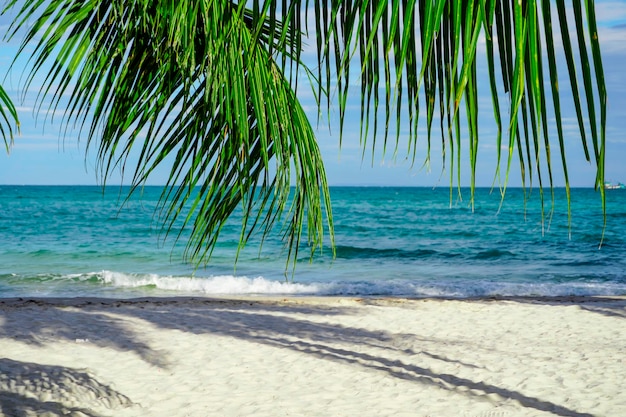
222 284
400 288
230 284
512 289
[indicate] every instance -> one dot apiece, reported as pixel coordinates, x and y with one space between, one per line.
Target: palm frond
433 44
194 83
8 117
210 87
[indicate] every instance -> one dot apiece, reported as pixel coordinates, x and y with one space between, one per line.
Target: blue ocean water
80 241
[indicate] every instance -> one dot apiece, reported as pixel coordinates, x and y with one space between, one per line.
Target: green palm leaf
514 24
194 83
210 87
457 25
8 116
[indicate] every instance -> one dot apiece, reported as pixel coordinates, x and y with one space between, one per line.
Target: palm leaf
194 83
458 23
209 87
8 116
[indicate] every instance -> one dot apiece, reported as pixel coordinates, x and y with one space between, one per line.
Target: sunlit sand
313 357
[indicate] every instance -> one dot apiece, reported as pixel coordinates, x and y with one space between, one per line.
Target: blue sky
41 155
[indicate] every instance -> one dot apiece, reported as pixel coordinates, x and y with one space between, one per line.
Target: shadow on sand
32 389
253 321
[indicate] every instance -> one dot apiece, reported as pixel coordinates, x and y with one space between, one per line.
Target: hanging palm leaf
8 116
212 84
433 44
195 82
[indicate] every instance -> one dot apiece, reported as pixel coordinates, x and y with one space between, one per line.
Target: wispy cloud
610 12
613 40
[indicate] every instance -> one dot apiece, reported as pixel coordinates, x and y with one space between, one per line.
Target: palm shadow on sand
28 389
279 325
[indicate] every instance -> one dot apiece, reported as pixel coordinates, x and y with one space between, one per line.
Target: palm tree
210 86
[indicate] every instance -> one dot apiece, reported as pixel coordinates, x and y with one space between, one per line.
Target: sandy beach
313 357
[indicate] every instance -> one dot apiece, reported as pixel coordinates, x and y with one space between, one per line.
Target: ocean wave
352 252
493 254
355 252
223 284
120 284
241 285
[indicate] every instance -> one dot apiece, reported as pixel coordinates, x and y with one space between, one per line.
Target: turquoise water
79 241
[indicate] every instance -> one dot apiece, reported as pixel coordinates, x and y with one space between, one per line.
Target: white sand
313 357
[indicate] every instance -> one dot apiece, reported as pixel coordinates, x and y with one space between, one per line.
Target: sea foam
222 284
242 285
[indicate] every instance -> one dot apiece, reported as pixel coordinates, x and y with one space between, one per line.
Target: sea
90 241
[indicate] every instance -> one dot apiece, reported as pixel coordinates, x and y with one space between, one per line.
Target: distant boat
613 186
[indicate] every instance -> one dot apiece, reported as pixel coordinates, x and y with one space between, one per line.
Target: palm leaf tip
9 121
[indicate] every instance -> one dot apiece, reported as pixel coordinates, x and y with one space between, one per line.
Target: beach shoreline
86 300
313 356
